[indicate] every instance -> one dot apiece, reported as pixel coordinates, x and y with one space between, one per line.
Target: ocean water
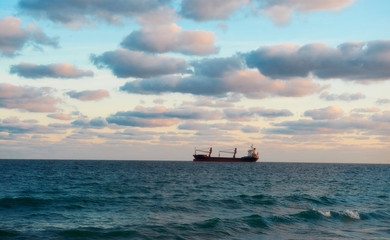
45 199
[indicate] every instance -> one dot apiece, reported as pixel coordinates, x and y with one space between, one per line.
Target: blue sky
301 80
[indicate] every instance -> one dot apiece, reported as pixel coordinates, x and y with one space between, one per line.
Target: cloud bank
14 126
247 82
349 61
160 116
76 13
378 124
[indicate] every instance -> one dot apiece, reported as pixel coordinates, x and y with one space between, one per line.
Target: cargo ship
252 156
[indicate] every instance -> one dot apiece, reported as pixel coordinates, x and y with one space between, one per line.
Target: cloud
217 67
242 114
159 16
75 13
59 70
125 63
16 126
194 126
250 129
27 98
203 10
280 11
342 97
361 126
171 38
197 126
366 110
98 123
129 134
328 126
248 82
349 61
89 95
271 113
382 117
13 37
78 13
331 112
209 102
160 116
220 76
60 116
382 101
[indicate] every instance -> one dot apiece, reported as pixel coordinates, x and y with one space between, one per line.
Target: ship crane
204 150
233 151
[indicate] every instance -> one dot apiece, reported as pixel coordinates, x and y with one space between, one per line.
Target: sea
85 199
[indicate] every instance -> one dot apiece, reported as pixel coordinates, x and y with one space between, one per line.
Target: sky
301 80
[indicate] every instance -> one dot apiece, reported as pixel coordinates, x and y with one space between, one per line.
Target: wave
222 228
259 199
322 200
22 202
316 214
237 202
255 221
68 203
96 233
4 233
348 215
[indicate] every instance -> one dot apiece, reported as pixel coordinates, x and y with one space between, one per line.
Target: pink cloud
28 98
13 37
59 70
355 61
243 114
60 116
342 97
125 63
89 95
203 10
248 82
159 16
78 13
280 11
331 112
161 116
171 38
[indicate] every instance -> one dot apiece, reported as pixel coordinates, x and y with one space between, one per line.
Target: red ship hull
205 158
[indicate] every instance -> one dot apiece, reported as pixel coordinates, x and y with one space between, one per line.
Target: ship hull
205 158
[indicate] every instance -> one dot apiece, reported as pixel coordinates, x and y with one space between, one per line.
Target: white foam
353 214
325 213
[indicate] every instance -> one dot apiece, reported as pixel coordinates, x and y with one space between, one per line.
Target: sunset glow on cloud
139 81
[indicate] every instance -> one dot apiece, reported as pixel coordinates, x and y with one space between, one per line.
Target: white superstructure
252 152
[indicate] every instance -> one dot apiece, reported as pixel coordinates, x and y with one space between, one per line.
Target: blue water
192 200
